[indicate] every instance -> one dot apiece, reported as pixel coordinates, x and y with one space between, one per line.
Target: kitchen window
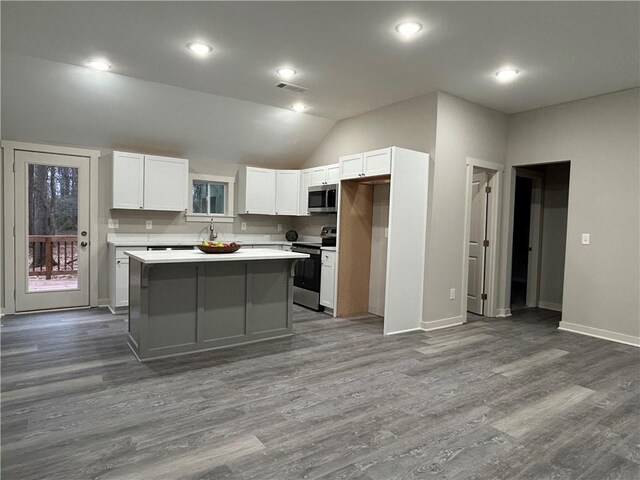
211 196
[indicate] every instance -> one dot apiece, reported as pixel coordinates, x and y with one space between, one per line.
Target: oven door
308 271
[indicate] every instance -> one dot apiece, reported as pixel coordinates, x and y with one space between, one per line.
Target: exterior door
477 248
52 231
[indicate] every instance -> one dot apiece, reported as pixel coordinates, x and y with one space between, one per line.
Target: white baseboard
103 302
600 333
404 331
556 307
503 312
442 323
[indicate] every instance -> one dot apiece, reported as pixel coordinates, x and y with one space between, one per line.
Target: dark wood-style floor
494 399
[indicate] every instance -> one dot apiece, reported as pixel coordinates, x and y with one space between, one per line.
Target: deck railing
58 255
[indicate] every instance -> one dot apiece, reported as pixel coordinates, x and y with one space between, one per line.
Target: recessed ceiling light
99 64
507 74
408 29
286 72
199 48
299 107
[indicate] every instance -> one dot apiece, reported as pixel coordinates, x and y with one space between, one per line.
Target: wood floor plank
338 400
530 362
543 411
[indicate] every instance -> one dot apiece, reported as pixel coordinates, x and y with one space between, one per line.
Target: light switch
452 294
386 233
586 238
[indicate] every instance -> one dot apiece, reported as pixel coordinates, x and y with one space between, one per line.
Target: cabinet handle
118 261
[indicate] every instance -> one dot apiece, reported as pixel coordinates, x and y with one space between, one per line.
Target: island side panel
225 301
135 291
172 306
268 297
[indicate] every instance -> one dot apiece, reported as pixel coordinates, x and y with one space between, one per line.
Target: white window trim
204 217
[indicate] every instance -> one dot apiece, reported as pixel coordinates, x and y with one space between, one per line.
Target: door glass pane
52 197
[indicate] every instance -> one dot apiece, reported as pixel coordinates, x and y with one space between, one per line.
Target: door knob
83 244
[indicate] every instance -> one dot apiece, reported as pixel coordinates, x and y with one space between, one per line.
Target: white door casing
40 300
477 236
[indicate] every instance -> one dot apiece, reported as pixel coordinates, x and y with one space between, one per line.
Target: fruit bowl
227 248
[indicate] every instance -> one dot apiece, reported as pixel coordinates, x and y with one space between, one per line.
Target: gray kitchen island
188 301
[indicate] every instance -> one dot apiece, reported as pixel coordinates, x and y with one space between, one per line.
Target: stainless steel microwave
323 199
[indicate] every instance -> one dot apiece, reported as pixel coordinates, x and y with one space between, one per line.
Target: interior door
477 249
52 231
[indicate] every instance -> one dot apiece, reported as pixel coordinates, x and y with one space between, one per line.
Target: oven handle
310 251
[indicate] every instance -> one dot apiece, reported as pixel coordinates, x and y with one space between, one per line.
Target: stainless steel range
306 284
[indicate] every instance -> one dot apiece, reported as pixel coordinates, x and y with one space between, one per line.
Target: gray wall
554 234
464 130
600 136
409 124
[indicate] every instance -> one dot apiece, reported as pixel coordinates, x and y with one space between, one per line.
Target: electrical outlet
386 233
243 226
452 294
113 223
586 238
279 227
149 224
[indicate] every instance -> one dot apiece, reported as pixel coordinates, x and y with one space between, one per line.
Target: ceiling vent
292 87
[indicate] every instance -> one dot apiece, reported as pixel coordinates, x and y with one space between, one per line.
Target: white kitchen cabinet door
318 176
333 173
258 189
165 183
127 180
305 183
351 166
377 162
122 283
287 192
327 278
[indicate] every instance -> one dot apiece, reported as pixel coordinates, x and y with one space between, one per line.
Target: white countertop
142 240
196 256
329 249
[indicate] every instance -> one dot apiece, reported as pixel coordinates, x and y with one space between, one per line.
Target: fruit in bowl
207 246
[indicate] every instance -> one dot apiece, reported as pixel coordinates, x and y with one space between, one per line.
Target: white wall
554 234
463 130
601 138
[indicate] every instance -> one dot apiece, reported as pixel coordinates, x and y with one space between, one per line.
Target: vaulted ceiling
347 54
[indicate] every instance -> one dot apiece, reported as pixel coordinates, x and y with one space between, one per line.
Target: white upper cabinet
305 183
127 180
287 192
257 191
148 182
351 166
165 183
325 174
318 176
368 164
377 162
333 173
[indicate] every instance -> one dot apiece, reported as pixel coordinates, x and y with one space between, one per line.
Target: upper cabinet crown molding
148 182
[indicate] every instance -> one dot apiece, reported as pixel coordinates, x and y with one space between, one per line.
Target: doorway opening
540 206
